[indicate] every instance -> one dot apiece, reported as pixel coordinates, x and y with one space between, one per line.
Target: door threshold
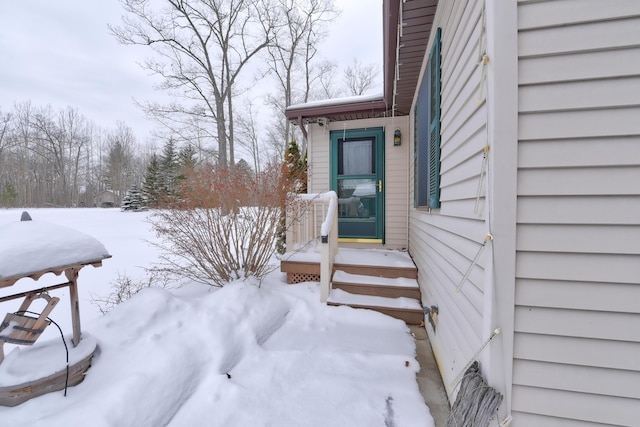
354 240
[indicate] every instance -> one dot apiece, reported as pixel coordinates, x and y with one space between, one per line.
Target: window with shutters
427 132
420 134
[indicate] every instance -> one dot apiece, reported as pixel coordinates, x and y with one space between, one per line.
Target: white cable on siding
483 58
474 262
483 171
458 378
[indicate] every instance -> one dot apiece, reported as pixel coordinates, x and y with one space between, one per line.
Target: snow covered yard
239 356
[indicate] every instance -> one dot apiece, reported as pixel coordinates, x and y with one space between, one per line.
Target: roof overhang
338 109
406 30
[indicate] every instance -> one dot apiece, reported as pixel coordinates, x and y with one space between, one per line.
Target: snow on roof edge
337 101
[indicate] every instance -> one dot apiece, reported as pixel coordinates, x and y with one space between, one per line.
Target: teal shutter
416 153
421 124
434 122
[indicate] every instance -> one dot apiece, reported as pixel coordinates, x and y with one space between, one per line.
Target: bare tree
5 139
301 28
59 141
5 122
20 163
248 136
325 77
360 77
77 131
91 180
203 46
186 129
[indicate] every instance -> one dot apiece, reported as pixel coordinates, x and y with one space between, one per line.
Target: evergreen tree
133 200
303 175
119 165
295 167
151 183
186 163
168 168
246 172
187 157
294 175
8 195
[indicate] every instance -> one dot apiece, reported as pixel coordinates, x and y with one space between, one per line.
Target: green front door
357 176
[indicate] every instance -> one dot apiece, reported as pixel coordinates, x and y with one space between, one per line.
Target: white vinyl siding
577 316
443 242
318 159
396 188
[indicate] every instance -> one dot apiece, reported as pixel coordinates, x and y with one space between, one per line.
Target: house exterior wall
396 166
567 299
444 242
577 301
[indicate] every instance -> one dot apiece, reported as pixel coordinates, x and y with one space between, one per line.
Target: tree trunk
231 145
222 134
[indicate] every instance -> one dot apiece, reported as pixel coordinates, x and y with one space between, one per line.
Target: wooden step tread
340 297
357 257
361 279
374 257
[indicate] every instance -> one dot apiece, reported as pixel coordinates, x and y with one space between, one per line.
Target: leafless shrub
223 227
125 287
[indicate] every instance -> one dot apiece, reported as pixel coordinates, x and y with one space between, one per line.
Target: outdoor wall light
397 138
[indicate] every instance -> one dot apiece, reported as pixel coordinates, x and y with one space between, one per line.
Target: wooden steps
379 280
395 297
390 272
376 285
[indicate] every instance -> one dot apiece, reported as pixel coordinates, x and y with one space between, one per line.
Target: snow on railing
303 228
332 217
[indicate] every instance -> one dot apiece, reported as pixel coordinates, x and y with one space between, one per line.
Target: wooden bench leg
72 276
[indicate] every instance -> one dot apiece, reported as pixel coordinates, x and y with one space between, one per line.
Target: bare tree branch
300 29
203 47
360 77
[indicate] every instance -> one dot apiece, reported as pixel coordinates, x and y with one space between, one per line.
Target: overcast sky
61 53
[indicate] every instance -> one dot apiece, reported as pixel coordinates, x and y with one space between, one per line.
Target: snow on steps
371 262
376 286
341 297
376 262
378 279
387 296
407 309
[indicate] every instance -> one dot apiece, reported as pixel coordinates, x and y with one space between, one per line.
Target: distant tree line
52 157
59 158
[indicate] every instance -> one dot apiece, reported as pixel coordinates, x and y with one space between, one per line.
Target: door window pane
356 157
356 198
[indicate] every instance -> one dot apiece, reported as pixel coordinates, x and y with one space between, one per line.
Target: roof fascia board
390 35
324 110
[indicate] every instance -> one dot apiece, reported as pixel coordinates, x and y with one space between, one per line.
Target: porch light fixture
397 138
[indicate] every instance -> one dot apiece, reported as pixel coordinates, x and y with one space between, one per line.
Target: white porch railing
312 219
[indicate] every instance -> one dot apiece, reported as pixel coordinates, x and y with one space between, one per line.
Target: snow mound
240 356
